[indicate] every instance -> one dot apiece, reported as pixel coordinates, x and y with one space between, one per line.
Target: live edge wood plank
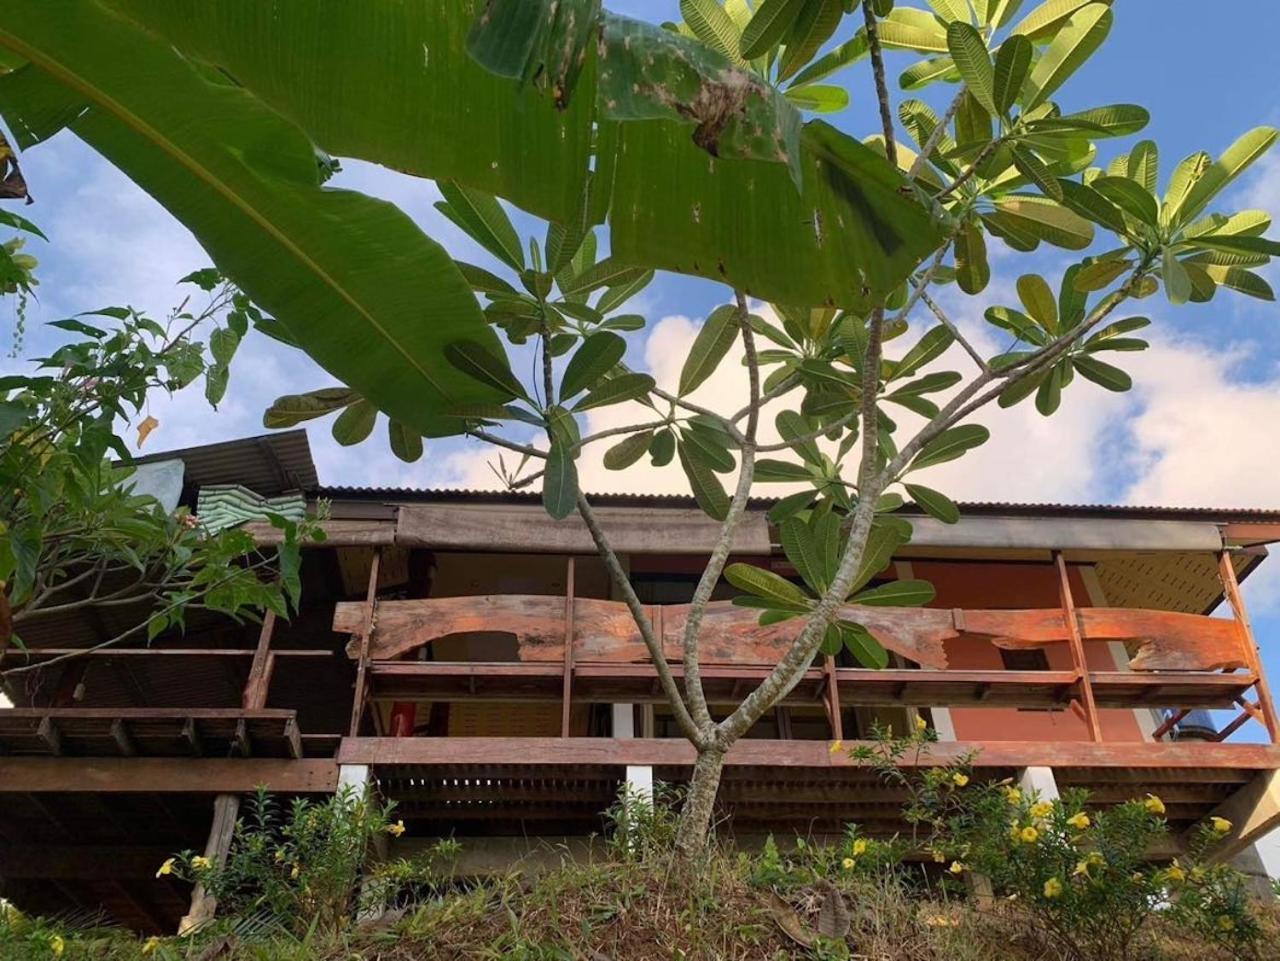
114 775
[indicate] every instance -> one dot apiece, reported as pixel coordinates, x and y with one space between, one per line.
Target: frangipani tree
688 141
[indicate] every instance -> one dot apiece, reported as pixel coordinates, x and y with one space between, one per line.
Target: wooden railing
590 650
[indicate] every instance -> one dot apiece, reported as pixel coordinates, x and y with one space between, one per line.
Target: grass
627 906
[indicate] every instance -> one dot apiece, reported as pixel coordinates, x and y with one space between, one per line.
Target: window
1033 659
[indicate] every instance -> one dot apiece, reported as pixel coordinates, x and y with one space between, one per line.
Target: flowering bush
302 867
1083 878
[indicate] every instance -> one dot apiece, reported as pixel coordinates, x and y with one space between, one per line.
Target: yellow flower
150 945
279 855
1079 821
1220 825
166 868
1012 795
1015 833
1197 874
938 921
1052 888
1041 809
395 830
837 747
1175 873
939 857
1136 877
200 863
921 725
1029 835
959 780
1082 869
1225 923
1153 805
847 864
956 868
859 847
294 873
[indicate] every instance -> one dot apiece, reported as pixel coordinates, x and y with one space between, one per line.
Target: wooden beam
566 692
366 633
146 775
255 688
120 734
1077 649
1227 572
1253 811
203 904
586 751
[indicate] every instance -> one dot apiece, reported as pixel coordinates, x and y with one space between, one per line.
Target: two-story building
465 654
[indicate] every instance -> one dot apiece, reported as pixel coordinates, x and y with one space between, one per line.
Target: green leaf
865 649
933 503
951 444
1013 62
1088 203
1113 120
791 428
925 72
706 487
482 365
813 28
909 29
618 294
1035 170
559 481
930 347
849 52
600 353
1017 323
707 449
772 19
1130 197
1185 176
801 548
972 270
768 470
1073 45
896 594
350 278
1234 161
951 9
215 382
607 273
1039 301
628 450
616 390
1100 273
710 24
1102 374
1239 245
293 409
1177 283
714 340
484 221
355 423
819 97
1046 220
1144 165
1049 391
1048 18
969 52
405 443
766 584
662 449
1244 281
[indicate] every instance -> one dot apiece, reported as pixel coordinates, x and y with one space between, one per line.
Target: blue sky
1199 428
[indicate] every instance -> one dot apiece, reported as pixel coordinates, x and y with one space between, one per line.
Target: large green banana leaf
353 279
392 83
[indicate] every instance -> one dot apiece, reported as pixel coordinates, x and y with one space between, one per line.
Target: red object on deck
404 717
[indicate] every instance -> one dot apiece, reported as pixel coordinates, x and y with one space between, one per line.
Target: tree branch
720 552
651 642
960 338
936 136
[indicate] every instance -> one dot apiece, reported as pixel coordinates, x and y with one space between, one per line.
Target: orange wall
999 585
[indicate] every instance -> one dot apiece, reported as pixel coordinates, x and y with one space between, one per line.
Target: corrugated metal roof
269 464
1001 508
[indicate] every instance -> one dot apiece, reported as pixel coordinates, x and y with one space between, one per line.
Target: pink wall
1001 585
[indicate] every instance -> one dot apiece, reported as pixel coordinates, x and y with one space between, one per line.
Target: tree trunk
699 804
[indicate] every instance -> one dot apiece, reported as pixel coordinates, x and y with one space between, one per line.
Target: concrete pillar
1040 782
639 777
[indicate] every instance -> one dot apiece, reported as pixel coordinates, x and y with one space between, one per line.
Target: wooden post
833 698
1231 587
566 693
1077 648
255 688
366 632
225 809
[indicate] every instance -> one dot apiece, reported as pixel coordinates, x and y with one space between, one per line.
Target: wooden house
465 654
